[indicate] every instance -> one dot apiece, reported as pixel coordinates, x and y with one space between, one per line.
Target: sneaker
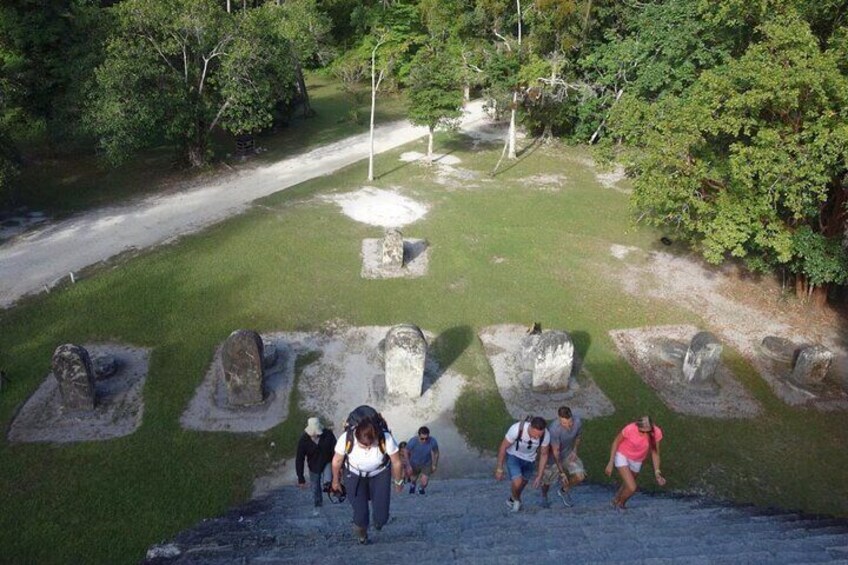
513 505
361 535
412 488
420 491
565 496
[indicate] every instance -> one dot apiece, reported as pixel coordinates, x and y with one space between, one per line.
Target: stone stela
549 357
811 366
405 354
391 256
702 361
75 374
242 361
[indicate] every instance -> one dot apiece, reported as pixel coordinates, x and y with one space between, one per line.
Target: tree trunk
800 287
229 7
430 144
196 154
466 92
308 112
512 154
373 107
819 296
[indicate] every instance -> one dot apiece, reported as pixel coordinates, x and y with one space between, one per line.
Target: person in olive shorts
423 454
565 469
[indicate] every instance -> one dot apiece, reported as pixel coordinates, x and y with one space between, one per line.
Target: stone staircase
466 520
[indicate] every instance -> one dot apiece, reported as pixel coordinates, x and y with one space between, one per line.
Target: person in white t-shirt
519 448
368 473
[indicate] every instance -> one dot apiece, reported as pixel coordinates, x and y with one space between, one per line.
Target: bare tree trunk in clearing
375 84
466 93
229 7
430 144
512 154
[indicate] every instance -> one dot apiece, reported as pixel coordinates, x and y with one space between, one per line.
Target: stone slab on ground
646 351
416 258
118 410
688 282
830 394
209 411
349 372
584 397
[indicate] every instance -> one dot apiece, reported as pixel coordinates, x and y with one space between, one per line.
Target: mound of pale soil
377 207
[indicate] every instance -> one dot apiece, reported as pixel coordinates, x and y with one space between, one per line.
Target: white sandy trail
40 258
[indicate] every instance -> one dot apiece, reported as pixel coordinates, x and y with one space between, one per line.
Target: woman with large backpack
368 460
629 450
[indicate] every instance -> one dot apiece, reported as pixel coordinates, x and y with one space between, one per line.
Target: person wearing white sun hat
316 447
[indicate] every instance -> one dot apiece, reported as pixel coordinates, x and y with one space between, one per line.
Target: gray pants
377 489
316 481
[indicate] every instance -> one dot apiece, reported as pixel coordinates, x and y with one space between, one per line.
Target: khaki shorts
574 467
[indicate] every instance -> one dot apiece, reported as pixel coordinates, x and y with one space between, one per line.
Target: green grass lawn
67 184
292 264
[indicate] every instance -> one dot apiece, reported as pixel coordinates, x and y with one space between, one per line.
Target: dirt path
41 258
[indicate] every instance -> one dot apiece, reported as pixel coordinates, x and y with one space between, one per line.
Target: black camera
335 496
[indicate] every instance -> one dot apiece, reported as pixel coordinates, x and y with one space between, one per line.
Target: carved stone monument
811 366
392 249
75 374
702 359
549 357
241 358
405 355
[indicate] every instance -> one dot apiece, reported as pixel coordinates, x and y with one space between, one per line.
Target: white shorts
622 461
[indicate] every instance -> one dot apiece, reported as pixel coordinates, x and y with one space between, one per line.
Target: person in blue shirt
422 452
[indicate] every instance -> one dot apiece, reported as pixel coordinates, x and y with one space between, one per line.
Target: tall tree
435 98
177 70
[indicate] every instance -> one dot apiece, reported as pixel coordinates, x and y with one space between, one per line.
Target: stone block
549 356
392 249
241 359
74 372
702 359
811 366
405 355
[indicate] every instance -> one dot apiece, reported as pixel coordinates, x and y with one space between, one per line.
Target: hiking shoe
420 491
361 535
412 488
565 496
513 505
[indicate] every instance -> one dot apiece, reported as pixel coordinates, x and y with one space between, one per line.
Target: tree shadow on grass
445 349
521 155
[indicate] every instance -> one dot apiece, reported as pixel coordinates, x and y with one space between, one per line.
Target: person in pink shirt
629 449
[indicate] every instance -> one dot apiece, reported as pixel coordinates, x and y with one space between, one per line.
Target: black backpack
362 414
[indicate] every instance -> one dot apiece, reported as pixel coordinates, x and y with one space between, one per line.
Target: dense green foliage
435 98
730 114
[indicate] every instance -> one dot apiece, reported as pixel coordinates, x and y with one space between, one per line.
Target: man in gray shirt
564 466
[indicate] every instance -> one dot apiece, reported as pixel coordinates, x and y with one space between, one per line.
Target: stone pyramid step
466 520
